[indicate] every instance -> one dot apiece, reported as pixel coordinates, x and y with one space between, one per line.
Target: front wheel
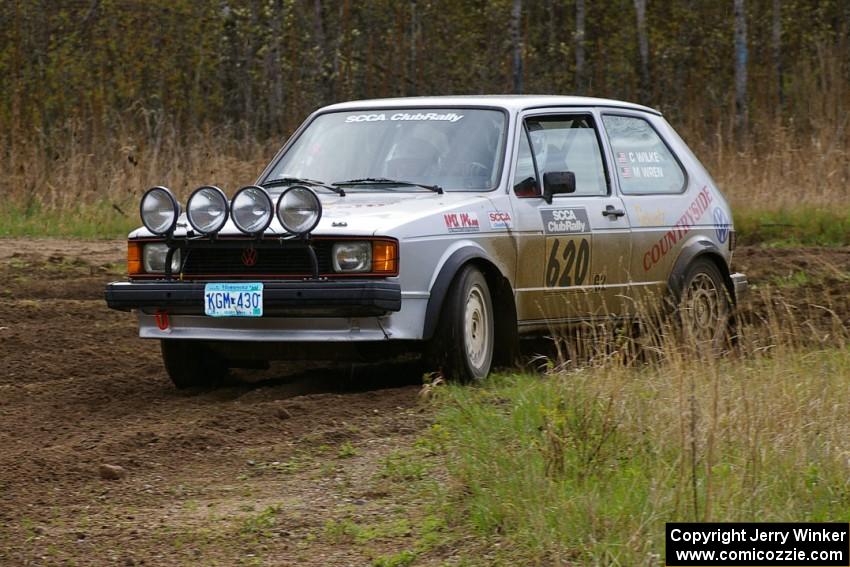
705 307
190 364
466 334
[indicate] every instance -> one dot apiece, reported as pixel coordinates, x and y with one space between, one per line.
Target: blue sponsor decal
721 225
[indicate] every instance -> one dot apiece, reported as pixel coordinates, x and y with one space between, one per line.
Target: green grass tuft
400 559
586 467
104 220
98 221
805 226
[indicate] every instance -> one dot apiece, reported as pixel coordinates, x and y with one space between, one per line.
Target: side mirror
555 182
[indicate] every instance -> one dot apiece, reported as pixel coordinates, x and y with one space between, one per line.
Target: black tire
462 347
190 364
705 307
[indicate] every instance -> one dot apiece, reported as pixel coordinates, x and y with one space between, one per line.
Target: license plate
233 299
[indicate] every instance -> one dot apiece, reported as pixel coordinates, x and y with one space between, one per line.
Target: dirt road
250 473
265 472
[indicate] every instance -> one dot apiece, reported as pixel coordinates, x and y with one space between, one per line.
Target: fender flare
700 246
444 279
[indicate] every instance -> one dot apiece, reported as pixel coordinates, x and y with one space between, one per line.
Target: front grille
285 261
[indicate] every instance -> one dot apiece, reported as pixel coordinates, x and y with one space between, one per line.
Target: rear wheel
190 364
466 334
705 307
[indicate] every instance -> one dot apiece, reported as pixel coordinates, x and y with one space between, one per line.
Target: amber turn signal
385 257
134 258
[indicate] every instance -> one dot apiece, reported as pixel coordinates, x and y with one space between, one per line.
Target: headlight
153 259
159 210
354 256
252 209
207 209
299 210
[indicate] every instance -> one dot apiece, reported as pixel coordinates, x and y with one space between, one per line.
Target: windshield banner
405 116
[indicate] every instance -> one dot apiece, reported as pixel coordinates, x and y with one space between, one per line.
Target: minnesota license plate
233 299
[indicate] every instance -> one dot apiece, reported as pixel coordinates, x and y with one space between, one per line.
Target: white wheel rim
703 308
477 332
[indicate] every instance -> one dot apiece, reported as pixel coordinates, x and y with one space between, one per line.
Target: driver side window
525 173
569 143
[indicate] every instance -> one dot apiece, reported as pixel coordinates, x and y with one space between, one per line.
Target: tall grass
584 465
773 180
781 167
78 178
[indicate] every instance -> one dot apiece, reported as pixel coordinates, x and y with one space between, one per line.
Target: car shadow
288 380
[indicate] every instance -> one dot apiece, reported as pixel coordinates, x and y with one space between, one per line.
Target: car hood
361 213
381 213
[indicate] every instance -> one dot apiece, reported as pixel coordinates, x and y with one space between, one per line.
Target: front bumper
337 298
740 286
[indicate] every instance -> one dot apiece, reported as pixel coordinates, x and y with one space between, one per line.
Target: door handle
610 211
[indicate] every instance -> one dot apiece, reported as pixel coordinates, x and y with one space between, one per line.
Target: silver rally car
450 226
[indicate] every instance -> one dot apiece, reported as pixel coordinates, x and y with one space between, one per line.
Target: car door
573 253
657 196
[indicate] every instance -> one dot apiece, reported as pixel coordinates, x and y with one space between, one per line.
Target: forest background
100 99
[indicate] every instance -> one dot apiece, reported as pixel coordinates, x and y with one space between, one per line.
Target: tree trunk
516 43
643 49
325 82
579 39
777 51
741 110
414 37
275 68
340 80
252 111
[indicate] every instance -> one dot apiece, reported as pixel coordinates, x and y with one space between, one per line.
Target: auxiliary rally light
252 210
207 209
298 209
159 210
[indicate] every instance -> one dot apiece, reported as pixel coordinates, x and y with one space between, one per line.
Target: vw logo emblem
249 256
721 225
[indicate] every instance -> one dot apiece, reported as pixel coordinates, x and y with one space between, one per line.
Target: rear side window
645 165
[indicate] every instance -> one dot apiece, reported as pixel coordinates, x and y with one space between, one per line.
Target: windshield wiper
385 181
302 181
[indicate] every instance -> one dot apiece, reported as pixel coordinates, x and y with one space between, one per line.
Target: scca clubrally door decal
568 247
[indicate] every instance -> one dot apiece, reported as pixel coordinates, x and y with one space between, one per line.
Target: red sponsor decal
461 222
682 227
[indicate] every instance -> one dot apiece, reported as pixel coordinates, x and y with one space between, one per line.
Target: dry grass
71 167
586 464
780 168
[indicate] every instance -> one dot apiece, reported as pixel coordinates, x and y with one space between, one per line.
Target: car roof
513 103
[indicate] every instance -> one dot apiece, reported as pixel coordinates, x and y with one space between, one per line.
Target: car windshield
457 149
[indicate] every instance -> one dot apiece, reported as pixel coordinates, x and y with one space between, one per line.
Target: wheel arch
695 249
501 294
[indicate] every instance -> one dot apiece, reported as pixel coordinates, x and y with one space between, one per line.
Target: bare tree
324 78
741 110
414 37
274 66
776 40
579 39
249 62
643 48
551 38
516 44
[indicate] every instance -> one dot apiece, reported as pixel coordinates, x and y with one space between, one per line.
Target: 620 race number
569 261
